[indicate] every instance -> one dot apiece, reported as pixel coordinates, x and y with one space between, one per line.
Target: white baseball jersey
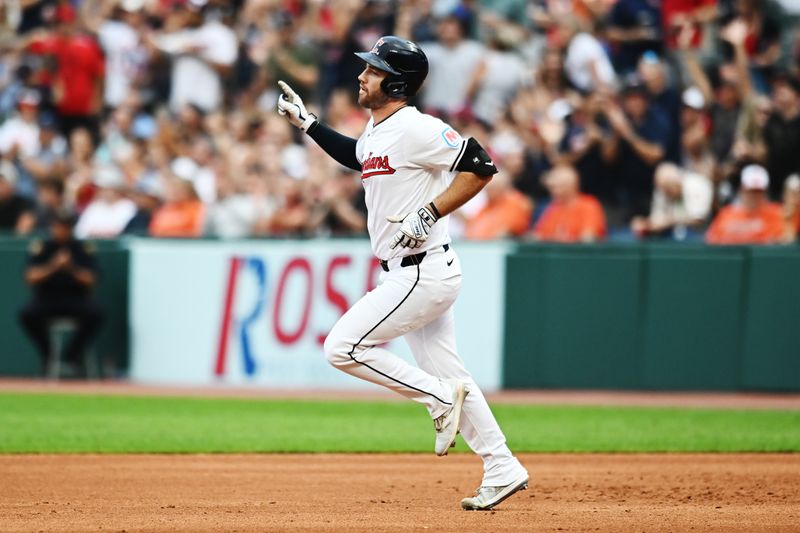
406 161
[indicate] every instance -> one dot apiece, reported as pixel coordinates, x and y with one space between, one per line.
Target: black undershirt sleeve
338 146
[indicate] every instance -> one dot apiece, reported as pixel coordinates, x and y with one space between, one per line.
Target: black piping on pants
373 329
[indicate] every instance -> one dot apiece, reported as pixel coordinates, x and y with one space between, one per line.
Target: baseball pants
416 302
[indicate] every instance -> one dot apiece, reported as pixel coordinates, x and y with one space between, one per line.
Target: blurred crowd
609 119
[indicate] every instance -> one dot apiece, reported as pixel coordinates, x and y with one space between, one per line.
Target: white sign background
179 288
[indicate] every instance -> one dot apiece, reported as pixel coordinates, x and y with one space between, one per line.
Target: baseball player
415 170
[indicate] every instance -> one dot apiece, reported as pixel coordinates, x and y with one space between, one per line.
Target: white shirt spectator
202 177
23 134
587 62
195 79
235 216
693 206
125 56
105 217
449 74
501 80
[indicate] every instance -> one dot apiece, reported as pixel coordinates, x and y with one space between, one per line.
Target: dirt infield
373 493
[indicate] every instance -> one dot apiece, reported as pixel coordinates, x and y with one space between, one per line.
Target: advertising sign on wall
257 312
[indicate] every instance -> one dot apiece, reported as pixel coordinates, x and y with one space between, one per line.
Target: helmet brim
377 62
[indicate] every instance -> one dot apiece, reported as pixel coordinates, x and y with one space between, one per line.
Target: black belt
409 259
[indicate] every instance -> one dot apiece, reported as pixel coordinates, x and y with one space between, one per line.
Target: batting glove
290 105
415 227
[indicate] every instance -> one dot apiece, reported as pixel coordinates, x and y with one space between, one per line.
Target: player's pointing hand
291 106
414 227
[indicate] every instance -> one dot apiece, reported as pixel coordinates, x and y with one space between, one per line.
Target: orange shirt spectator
182 215
506 213
572 216
753 219
736 224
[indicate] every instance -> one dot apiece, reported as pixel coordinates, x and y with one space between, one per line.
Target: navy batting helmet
403 60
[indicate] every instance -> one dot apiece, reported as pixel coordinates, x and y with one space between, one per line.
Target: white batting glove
290 105
415 227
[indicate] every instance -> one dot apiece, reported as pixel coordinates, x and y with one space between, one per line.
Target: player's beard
373 100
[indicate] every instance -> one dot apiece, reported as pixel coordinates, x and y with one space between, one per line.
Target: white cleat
487 497
447 425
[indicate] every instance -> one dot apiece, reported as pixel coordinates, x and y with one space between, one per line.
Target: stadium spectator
664 98
77 83
453 61
506 213
753 219
638 142
14 208
62 272
695 149
182 214
571 216
496 79
681 203
791 207
546 95
203 49
49 202
49 161
634 28
109 211
587 64
782 133
119 30
242 209
19 135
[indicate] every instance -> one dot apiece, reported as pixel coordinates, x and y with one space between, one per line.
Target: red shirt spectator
80 67
572 216
677 13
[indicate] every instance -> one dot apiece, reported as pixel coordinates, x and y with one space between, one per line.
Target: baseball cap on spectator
196 5
108 177
132 6
48 121
29 97
755 178
792 183
65 14
633 84
150 185
693 98
144 127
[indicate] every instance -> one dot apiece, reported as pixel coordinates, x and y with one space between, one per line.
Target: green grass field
58 423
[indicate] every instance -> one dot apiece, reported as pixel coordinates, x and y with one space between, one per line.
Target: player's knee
336 350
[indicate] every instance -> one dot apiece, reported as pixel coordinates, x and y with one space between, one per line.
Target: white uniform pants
417 302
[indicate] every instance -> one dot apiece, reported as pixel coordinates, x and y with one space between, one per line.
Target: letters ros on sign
286 287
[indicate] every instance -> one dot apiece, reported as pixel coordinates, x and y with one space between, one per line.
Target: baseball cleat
488 497
447 425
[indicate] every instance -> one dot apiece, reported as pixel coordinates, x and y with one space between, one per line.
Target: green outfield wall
17 355
685 317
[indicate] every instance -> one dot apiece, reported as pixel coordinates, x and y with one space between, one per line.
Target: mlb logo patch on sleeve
450 137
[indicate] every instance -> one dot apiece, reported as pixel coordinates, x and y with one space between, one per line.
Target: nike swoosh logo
450 262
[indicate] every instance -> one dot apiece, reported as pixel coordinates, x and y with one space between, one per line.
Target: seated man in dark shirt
62 272
13 208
